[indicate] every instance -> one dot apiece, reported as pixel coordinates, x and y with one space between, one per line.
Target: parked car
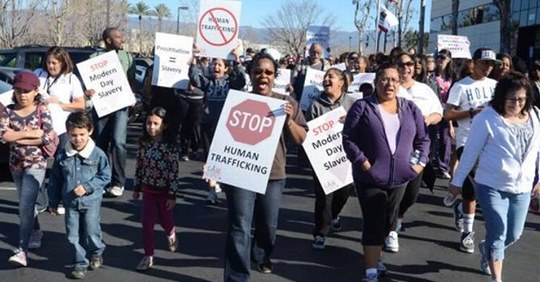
30 57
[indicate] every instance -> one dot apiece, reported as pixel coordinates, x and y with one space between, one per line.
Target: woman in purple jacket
386 140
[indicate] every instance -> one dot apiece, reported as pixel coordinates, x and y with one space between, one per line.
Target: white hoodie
500 167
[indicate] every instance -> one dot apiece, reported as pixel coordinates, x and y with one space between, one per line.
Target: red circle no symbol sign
218 27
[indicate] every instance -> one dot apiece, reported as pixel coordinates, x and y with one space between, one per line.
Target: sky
253 11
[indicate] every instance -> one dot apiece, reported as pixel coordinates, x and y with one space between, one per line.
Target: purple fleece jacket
364 139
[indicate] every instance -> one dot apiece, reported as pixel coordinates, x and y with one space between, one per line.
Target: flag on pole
387 20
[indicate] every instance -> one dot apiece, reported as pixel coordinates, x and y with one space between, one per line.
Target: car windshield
8 59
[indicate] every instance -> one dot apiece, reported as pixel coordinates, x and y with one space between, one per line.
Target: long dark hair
508 84
166 136
62 56
448 72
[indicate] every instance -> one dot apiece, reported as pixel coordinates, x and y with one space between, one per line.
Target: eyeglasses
402 64
516 100
386 80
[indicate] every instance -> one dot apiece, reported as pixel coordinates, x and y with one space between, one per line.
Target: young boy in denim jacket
79 174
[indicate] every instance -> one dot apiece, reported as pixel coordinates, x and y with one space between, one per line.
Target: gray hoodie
323 105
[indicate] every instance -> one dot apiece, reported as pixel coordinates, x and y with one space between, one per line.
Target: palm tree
161 11
140 9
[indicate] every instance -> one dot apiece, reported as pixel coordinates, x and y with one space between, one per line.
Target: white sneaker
18 259
217 188
116 191
145 263
391 243
60 210
35 239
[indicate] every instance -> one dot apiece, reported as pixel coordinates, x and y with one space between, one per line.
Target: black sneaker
265 267
96 262
78 273
336 224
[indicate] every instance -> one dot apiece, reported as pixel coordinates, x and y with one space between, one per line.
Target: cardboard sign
217 27
249 129
105 75
318 34
312 87
325 151
457 44
172 56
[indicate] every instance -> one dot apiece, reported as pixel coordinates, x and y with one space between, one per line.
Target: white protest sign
6 98
325 151
283 79
249 129
340 66
318 34
217 27
105 75
172 56
457 44
312 87
359 79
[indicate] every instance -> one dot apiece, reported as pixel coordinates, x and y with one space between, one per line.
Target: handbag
48 150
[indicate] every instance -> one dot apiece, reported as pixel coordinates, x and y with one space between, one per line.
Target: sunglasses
402 64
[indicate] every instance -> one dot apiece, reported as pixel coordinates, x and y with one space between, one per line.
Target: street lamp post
178 18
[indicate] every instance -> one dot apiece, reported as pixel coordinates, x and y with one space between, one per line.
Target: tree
288 26
508 28
161 11
411 39
15 19
362 15
57 17
403 11
455 13
140 9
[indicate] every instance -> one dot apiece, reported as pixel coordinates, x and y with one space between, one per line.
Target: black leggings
467 191
379 211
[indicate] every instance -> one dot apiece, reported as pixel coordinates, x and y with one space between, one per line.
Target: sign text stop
250 122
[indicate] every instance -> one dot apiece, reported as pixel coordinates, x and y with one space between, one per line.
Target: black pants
379 211
207 134
190 134
327 207
410 195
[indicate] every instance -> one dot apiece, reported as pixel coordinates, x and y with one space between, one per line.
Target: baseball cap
249 50
485 54
26 81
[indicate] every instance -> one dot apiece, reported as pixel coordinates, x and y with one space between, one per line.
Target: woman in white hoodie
504 142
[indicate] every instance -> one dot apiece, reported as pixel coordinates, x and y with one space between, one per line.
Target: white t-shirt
469 94
423 97
65 88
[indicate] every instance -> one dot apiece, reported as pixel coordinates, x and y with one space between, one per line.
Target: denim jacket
89 168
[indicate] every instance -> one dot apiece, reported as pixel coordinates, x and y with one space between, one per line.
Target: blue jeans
28 183
245 207
86 214
111 133
504 214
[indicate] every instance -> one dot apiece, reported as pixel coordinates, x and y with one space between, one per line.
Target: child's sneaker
35 239
335 224
484 263
95 262
318 242
78 272
18 259
173 242
145 263
212 197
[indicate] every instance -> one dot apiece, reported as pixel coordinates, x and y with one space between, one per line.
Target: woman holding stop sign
245 207
386 140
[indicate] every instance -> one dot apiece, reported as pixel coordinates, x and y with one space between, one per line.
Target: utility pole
421 27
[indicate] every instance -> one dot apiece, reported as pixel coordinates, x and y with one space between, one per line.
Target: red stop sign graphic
250 122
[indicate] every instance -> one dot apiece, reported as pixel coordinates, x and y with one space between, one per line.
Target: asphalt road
428 246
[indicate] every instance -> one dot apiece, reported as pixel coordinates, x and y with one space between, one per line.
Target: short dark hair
508 84
79 120
385 66
107 33
261 56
